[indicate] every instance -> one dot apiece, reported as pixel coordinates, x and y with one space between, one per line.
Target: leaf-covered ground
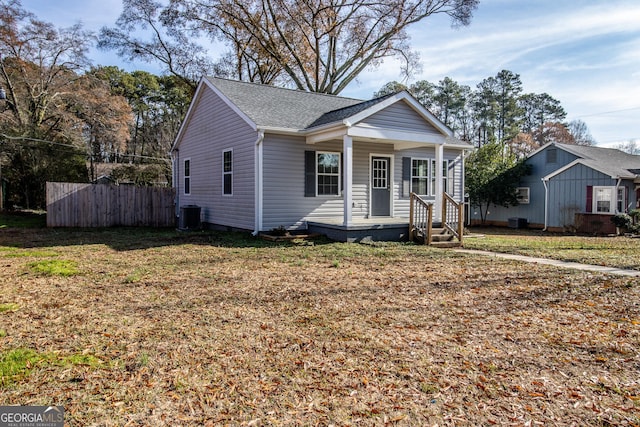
130 327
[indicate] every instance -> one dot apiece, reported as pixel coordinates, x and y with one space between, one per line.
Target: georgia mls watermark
31 416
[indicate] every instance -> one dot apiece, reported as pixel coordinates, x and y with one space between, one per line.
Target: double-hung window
522 194
604 200
187 176
446 182
423 176
328 173
227 172
622 199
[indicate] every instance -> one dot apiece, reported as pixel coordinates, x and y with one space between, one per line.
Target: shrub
626 222
622 221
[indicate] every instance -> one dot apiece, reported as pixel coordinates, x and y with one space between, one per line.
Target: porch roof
322 117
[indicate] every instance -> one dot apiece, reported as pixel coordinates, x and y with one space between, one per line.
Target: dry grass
161 328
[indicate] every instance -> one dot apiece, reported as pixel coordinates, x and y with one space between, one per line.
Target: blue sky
585 53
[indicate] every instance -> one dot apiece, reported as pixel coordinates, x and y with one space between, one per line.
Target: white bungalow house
256 157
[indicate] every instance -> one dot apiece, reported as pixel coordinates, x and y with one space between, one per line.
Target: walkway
565 264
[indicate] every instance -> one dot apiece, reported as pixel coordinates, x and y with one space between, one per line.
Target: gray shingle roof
608 160
276 107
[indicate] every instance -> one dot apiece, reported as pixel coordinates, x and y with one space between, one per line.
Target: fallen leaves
245 334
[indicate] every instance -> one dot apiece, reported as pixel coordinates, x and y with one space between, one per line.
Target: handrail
420 219
453 216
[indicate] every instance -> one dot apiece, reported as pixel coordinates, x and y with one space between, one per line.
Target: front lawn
619 252
138 327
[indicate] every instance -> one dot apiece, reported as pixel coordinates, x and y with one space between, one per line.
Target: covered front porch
419 227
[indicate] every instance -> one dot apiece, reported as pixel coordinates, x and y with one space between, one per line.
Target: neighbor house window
227 172
187 176
522 194
328 174
604 199
622 199
552 155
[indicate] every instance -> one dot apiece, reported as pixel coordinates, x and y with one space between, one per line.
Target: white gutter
258 166
546 204
175 154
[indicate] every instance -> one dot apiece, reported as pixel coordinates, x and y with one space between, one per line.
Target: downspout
176 176
258 164
546 204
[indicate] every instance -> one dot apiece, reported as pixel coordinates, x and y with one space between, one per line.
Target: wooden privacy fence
99 205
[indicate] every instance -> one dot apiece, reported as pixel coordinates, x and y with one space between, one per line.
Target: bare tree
314 45
169 45
38 66
580 132
632 147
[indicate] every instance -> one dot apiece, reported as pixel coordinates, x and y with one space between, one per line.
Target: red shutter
589 198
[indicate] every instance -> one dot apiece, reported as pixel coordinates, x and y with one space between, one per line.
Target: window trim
318 174
225 172
186 177
523 201
613 202
430 176
621 199
447 177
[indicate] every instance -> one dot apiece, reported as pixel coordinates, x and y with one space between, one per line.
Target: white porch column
439 189
347 150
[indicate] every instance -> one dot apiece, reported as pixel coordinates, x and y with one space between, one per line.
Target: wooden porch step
440 235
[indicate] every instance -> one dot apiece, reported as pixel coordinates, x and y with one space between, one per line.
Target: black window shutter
342 169
309 174
406 176
589 207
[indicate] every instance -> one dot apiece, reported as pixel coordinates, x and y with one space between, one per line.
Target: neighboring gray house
256 157
573 187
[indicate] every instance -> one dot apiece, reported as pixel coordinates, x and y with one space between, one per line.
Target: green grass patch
15 364
18 363
56 267
16 253
8 306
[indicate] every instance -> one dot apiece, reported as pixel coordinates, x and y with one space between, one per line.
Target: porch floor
362 229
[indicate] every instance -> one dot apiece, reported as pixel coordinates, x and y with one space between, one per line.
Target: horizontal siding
400 116
214 127
456 162
284 201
